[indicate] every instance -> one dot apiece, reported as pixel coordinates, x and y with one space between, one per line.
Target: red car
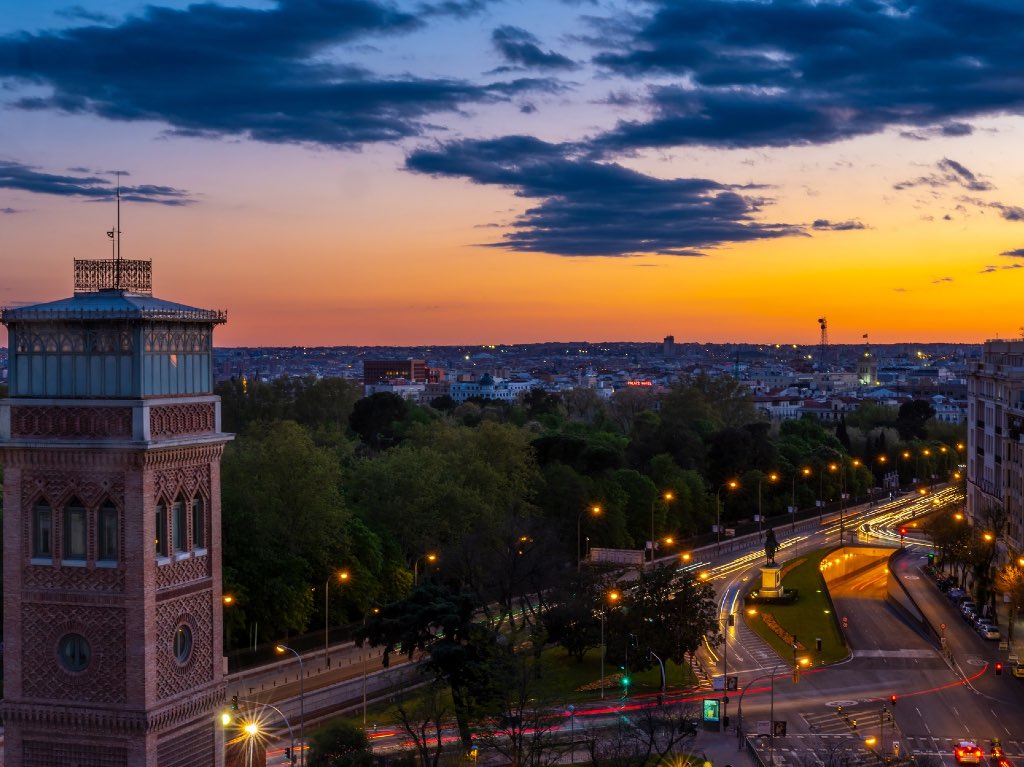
967 752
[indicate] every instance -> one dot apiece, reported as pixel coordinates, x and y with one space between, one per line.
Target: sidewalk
721 749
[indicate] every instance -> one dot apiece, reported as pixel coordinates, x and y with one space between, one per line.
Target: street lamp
804 472
343 577
258 724
613 597
732 484
595 510
431 558
667 497
760 516
302 699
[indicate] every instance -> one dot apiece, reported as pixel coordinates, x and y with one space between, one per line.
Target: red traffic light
903 531
999 668
892 698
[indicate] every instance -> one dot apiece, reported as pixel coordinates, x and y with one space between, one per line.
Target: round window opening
182 643
74 652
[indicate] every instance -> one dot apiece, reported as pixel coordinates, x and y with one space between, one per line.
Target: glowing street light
595 510
342 577
281 649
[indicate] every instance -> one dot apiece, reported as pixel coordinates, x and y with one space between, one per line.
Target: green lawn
810 617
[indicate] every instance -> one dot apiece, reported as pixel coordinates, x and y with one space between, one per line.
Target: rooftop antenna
115 238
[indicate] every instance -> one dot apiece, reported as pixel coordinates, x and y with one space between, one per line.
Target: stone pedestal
771 581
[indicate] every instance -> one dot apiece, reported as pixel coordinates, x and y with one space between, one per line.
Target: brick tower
111 444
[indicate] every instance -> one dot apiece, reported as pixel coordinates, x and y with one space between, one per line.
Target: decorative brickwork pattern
46 753
182 571
184 481
194 610
58 487
173 420
100 579
71 422
188 748
43 676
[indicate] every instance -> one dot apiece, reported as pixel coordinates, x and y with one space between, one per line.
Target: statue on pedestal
771 545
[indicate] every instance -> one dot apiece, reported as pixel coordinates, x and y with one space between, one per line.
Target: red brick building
111 446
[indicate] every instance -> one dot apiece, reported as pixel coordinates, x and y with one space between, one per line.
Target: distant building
668 347
995 412
382 371
488 387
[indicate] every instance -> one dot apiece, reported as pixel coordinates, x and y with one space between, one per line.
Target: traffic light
234 703
999 668
289 756
732 619
931 557
892 699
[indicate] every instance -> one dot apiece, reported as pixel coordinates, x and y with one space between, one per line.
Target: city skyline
471 172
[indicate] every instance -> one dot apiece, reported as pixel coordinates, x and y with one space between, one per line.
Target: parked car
968 604
954 594
988 631
945 584
969 616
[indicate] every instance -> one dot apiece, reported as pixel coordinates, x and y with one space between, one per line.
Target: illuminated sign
639 383
711 707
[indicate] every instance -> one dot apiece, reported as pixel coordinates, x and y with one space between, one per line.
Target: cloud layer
270 75
590 208
742 73
14 175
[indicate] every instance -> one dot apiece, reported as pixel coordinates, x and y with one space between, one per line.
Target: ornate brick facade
174 420
51 422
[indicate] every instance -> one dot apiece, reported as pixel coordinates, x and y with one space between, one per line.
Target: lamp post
595 510
760 515
302 700
667 498
342 576
253 728
732 484
730 620
416 567
613 597
804 472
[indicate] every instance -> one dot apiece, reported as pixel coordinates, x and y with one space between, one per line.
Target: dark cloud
461 9
9 211
741 73
989 269
267 74
950 173
942 279
836 226
1008 212
1018 253
588 208
78 13
25 178
520 47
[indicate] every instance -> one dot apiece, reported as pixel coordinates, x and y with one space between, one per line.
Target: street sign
732 683
779 728
763 727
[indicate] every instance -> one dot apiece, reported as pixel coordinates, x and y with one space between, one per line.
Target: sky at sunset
355 172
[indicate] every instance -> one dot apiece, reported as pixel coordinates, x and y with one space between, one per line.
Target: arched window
198 523
179 526
42 531
108 533
161 530
76 529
